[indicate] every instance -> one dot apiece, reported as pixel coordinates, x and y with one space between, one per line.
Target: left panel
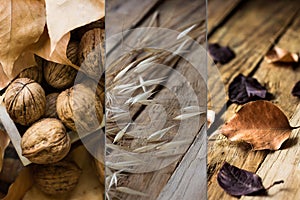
52 99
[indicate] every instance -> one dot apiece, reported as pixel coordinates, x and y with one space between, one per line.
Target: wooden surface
179 176
251 29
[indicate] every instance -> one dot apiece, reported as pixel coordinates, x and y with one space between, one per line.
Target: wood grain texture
251 32
218 10
189 179
283 164
122 15
174 16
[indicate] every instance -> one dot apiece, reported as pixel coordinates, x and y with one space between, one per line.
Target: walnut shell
62 76
25 101
58 178
35 73
46 141
92 53
79 108
51 105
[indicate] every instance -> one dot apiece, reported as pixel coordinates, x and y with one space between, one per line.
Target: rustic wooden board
154 182
283 164
218 11
119 15
189 180
248 61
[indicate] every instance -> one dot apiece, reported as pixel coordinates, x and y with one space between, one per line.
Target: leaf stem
275 183
295 127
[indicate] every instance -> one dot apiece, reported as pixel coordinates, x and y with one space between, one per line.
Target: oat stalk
187 115
131 191
159 134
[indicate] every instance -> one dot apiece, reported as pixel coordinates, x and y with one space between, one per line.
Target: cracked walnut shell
25 101
46 141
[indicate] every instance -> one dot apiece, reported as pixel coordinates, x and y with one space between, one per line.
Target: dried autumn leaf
238 182
220 54
22 184
22 23
43 49
259 123
296 89
4 80
244 89
4 142
24 61
66 15
279 55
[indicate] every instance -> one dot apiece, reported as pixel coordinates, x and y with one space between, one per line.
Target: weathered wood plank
162 115
184 183
283 164
153 182
251 32
258 41
119 15
218 10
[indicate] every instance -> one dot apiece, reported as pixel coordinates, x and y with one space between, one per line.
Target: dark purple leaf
238 182
220 54
244 89
296 89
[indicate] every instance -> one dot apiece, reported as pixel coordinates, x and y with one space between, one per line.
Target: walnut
46 141
51 105
80 107
25 101
62 76
35 73
92 53
58 178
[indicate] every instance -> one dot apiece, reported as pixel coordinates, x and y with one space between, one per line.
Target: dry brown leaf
66 15
59 55
25 60
4 80
22 24
22 184
279 55
4 142
259 123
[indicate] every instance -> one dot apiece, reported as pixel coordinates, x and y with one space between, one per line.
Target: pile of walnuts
50 99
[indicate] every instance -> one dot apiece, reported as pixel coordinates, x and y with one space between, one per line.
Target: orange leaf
22 23
23 183
25 60
259 123
279 55
4 80
66 15
43 49
4 142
